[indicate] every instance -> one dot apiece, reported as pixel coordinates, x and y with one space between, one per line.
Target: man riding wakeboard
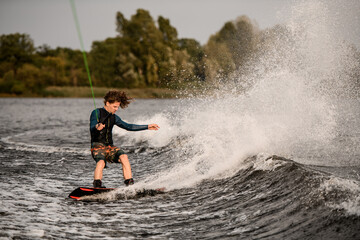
102 121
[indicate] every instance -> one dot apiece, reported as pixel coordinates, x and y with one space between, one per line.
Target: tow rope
76 20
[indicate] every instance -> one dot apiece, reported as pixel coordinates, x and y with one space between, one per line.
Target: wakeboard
85 191
80 192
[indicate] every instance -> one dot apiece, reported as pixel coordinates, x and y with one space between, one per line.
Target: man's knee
123 159
100 163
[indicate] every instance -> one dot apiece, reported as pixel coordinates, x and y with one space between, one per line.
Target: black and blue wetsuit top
105 135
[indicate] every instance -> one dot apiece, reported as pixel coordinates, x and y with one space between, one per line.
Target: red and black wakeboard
86 191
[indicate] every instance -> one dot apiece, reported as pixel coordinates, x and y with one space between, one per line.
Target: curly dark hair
117 96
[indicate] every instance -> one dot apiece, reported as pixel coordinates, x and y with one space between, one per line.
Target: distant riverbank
85 92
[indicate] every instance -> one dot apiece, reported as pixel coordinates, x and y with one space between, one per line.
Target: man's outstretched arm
134 127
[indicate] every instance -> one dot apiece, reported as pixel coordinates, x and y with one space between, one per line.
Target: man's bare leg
98 174
124 160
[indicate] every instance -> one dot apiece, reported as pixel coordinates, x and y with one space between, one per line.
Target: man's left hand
153 127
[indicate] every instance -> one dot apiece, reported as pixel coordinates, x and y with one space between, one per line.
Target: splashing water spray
289 110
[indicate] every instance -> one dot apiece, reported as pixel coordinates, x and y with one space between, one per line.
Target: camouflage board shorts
100 151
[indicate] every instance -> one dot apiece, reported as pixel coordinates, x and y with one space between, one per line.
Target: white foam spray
290 107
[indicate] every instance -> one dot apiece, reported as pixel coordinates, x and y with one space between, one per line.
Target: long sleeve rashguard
109 121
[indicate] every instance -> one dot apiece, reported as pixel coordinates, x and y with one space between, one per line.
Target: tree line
144 54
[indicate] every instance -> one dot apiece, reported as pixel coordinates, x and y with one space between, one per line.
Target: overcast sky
51 21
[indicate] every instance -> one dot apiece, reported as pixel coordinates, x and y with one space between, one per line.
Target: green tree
61 66
46 51
129 75
150 55
196 52
6 67
219 63
7 82
169 33
29 78
231 48
15 49
102 61
55 66
142 39
75 72
152 77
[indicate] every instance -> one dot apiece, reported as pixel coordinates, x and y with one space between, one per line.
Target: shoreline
99 92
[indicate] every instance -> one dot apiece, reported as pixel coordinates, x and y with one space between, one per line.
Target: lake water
219 184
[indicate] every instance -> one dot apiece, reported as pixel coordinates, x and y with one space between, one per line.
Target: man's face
112 107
